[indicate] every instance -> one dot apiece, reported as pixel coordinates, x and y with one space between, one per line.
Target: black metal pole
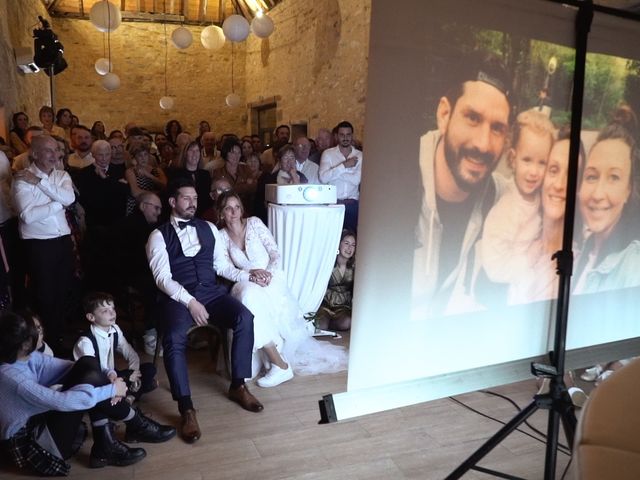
493 442
557 401
565 256
52 92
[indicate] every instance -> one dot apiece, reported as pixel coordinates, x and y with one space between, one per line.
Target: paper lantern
236 28
111 82
233 100
166 103
103 66
212 37
262 26
105 16
181 38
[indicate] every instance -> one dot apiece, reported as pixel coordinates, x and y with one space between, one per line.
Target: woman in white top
251 247
279 326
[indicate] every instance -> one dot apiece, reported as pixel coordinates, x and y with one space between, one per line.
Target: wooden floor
284 441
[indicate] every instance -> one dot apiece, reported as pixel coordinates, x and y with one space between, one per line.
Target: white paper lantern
111 82
103 66
233 100
262 26
212 37
166 103
181 37
236 28
105 16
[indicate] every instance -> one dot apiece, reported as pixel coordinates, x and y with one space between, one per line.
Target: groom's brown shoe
242 396
190 430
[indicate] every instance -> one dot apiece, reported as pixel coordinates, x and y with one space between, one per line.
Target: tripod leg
553 427
558 401
568 417
490 444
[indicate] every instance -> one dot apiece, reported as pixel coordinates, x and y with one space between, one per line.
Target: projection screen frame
363 401
341 406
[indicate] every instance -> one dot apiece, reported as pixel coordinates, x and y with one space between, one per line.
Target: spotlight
48 49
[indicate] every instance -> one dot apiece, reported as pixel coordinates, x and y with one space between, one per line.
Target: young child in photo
515 220
104 338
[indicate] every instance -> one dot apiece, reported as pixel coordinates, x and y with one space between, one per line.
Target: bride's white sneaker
275 376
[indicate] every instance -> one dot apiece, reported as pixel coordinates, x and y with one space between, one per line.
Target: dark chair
216 338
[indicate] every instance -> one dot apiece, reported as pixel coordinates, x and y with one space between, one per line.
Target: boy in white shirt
515 220
104 338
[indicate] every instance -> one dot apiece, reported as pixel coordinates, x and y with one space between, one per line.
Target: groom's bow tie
183 225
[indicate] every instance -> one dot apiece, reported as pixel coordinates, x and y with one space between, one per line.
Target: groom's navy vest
196 274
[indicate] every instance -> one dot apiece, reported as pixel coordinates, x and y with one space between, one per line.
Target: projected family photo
494 170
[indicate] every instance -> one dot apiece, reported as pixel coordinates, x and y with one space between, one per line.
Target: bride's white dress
277 315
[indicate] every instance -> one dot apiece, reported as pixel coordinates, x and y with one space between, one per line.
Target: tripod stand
557 401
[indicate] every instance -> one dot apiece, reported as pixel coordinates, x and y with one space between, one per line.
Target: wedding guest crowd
96 214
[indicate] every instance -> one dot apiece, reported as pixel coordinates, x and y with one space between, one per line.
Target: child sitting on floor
41 345
104 338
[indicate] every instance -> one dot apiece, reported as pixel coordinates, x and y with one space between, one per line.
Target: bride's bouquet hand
260 276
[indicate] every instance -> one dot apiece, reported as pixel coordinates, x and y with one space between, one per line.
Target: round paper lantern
103 66
105 16
233 100
111 82
181 37
236 28
212 37
166 103
262 26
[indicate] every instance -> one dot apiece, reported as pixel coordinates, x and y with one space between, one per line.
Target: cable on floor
561 448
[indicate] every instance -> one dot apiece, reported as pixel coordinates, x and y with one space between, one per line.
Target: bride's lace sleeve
222 262
269 243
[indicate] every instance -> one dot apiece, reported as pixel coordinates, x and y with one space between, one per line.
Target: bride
279 327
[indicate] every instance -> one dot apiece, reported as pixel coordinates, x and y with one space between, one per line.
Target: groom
184 255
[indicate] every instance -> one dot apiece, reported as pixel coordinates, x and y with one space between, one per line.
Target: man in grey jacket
457 162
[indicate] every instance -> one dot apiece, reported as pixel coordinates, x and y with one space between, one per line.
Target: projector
303 194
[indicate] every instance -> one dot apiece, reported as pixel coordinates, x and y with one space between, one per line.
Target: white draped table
308 237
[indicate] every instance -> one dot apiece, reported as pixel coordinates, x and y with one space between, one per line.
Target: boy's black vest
196 274
89 334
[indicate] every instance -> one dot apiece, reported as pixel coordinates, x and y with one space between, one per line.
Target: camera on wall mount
48 51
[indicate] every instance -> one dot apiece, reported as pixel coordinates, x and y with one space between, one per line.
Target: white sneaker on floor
578 397
603 376
150 339
591 374
275 376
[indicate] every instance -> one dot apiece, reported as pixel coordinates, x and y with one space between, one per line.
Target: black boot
143 429
107 450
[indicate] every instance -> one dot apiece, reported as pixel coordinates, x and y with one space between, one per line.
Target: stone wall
19 92
315 62
314 65
198 78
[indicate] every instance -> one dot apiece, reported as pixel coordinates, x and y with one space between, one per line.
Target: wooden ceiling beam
202 10
240 8
245 10
199 18
50 5
139 17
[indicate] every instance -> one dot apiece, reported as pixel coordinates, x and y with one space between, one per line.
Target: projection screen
455 285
